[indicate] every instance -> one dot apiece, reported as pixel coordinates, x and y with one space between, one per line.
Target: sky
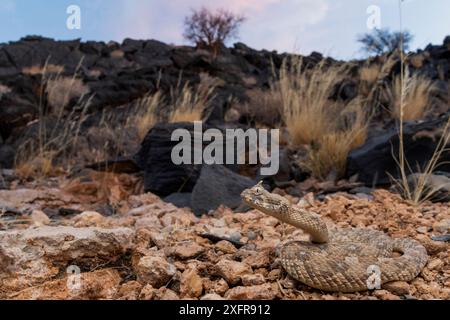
301 26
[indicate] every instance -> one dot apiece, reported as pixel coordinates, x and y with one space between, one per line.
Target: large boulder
375 162
161 175
30 257
218 186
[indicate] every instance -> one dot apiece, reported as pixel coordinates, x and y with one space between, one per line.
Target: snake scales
346 260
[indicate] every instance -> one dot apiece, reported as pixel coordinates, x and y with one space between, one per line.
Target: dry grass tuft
265 107
331 129
188 104
61 90
330 152
41 165
410 96
57 130
307 111
146 116
370 73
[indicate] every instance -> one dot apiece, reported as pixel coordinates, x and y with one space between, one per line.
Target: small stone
422 229
251 235
129 291
211 296
359 221
399 288
442 226
39 218
261 292
166 294
147 293
252 279
96 285
155 271
191 284
218 286
385 295
258 260
150 222
225 247
88 219
232 271
435 264
235 236
186 250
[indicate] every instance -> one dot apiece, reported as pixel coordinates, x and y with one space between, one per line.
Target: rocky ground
144 248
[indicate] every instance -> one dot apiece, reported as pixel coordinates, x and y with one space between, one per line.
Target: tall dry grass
146 116
331 129
330 152
189 104
417 191
57 129
307 110
415 187
410 96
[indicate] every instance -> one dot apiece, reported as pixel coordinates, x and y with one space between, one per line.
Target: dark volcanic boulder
218 186
375 160
179 199
161 175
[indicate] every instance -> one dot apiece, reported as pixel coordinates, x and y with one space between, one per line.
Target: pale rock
147 292
252 279
258 259
88 219
39 218
31 256
191 284
101 284
260 292
166 294
186 250
211 296
435 264
442 226
217 286
149 222
129 291
225 247
232 271
385 295
155 271
422 229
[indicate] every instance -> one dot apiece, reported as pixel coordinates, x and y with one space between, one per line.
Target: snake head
259 198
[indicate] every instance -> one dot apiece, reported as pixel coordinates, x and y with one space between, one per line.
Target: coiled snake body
346 260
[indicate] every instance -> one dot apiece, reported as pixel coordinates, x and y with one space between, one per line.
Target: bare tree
382 41
212 29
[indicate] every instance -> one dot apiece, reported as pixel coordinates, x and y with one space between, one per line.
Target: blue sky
327 26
